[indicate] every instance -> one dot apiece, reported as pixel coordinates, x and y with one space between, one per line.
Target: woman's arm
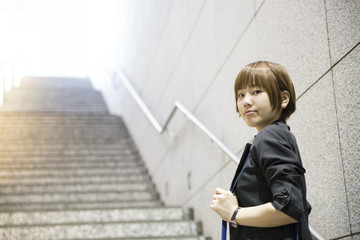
224 204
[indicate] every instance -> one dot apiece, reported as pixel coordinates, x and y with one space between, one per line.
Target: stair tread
94 216
167 228
73 187
79 205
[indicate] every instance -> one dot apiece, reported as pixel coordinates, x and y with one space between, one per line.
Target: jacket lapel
241 163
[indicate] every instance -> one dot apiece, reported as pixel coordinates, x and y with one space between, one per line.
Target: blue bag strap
223 230
297 231
224 223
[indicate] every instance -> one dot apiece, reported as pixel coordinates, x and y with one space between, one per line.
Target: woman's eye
240 95
257 92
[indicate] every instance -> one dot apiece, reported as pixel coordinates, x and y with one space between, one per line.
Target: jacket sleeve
276 155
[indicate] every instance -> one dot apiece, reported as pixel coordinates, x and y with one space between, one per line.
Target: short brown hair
271 77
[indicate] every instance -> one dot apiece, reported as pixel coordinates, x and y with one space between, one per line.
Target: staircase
69 170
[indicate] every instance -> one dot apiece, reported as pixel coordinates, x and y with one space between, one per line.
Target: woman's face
255 108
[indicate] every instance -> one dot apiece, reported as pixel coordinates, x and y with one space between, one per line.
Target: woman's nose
247 99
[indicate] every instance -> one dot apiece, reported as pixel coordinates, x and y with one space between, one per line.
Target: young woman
268 197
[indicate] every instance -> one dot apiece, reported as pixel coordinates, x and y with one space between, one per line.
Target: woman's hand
224 203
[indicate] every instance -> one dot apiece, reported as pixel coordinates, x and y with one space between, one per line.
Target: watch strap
233 217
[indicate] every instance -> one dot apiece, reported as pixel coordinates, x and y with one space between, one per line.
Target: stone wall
191 51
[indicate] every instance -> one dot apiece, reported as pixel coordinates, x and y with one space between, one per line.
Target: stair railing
177 105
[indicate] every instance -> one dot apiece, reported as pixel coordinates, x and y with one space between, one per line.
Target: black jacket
273 173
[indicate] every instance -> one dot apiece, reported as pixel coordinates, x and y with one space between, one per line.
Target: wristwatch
233 217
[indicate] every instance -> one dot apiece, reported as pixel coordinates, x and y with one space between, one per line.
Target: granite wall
191 51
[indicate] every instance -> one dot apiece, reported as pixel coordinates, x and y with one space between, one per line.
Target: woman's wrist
233 217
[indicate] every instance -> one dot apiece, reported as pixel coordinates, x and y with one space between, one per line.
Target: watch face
234 224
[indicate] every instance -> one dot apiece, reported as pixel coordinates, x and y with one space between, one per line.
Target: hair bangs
247 78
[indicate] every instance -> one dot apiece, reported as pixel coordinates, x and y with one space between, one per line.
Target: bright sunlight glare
54 37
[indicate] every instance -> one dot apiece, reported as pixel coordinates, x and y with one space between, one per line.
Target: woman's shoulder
274 139
276 130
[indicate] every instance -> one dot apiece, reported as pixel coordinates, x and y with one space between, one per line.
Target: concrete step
81 136
50 124
59 141
76 197
73 141
56 100
94 136
20 145
125 143
36 121
36 159
68 156
118 145
78 108
125 148
52 92
95 216
58 118
48 157
166 238
44 96
68 171
53 98
55 83
43 104
64 118
48 164
46 103
57 122
55 125
68 179
26 116
47 127
127 153
81 107
78 205
79 129
29 99
101 230
76 187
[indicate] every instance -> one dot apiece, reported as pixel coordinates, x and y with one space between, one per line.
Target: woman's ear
285 99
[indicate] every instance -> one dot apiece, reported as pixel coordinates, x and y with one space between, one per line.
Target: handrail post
169 119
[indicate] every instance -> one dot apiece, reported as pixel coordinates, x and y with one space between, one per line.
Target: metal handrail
316 235
178 105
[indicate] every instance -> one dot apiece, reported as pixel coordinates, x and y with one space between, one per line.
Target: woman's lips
249 112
